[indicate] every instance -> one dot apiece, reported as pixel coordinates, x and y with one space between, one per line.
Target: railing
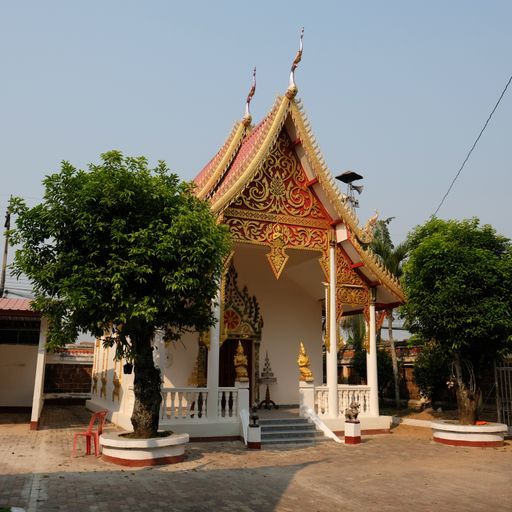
184 404
346 395
244 419
322 400
228 403
190 404
309 414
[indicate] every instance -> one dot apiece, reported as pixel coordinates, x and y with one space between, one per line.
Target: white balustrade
228 398
184 404
346 395
190 404
322 400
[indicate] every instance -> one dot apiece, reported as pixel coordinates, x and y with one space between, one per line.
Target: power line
473 146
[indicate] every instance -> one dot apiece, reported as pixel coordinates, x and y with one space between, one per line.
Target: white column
212 411
37 399
371 359
332 353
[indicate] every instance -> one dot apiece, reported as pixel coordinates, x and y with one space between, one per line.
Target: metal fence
503 378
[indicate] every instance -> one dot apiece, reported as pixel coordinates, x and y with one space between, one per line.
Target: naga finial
292 87
247 116
369 228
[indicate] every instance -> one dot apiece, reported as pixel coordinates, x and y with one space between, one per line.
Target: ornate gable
277 208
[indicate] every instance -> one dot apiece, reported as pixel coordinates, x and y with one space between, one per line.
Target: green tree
356 328
457 282
432 370
121 250
393 258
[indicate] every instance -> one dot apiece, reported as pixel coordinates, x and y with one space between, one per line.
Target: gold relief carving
198 377
351 296
324 263
116 392
277 256
344 273
265 233
304 365
280 219
204 339
116 381
279 237
103 389
241 312
280 185
240 362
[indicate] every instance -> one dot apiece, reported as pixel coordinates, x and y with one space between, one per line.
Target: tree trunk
147 388
467 398
394 360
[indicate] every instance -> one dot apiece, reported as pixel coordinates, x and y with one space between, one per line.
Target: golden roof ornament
292 87
369 228
304 365
247 116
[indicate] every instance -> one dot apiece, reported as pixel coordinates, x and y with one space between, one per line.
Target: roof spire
247 116
292 87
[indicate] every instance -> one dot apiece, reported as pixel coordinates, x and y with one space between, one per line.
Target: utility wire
473 146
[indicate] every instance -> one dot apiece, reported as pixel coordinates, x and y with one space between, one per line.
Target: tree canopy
119 244
457 282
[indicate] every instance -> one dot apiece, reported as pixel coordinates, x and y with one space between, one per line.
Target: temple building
300 262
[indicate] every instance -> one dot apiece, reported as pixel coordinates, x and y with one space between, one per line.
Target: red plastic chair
91 433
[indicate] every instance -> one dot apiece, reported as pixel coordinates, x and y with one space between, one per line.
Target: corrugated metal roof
19 306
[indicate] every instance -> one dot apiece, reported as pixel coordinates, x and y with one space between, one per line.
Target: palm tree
393 258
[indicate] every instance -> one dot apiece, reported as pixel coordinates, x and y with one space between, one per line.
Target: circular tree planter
119 449
490 435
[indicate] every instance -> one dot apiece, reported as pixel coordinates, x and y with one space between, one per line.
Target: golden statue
116 390
103 389
240 361
305 371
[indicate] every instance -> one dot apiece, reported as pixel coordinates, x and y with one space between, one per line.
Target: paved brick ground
401 471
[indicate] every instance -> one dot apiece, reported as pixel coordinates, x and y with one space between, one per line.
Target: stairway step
293 426
282 421
294 434
293 440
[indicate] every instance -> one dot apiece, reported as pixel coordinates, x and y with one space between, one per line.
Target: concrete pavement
404 470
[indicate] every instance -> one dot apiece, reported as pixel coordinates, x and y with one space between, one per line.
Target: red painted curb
352 440
254 446
34 425
471 444
144 462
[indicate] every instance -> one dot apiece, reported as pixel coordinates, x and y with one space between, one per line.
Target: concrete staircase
289 430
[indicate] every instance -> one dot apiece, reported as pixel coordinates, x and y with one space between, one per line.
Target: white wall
17 371
292 312
176 360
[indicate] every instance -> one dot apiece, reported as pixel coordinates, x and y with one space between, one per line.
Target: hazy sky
395 90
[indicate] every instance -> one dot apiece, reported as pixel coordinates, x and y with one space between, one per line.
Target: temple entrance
227 372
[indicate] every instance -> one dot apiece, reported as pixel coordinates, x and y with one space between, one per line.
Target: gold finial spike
292 87
247 116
